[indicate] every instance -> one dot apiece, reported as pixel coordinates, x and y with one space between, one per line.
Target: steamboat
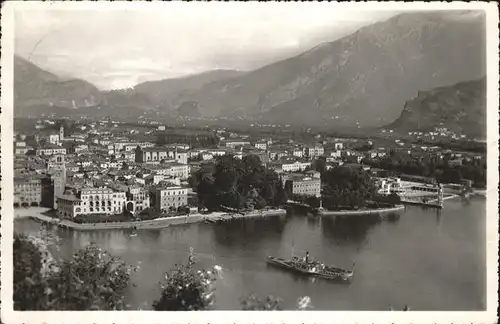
308 267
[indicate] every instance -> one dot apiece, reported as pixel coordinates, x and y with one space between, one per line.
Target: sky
116 49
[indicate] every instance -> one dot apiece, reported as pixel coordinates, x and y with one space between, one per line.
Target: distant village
99 170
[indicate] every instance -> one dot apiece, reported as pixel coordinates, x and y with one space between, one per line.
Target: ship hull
332 273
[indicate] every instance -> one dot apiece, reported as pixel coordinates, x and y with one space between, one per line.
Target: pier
420 194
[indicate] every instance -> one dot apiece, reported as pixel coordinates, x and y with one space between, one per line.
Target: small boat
311 268
134 232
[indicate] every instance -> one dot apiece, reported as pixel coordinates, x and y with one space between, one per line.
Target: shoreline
37 214
378 211
146 224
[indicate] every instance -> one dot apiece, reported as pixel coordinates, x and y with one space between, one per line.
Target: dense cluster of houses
96 171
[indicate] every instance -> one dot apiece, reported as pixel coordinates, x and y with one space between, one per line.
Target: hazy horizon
119 49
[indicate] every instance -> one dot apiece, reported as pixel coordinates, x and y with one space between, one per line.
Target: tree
185 288
260 203
319 164
91 280
125 166
270 303
347 187
233 183
161 139
226 176
30 277
205 189
252 302
268 192
281 195
394 199
193 181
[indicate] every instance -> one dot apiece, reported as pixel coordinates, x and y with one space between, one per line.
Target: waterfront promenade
361 212
38 215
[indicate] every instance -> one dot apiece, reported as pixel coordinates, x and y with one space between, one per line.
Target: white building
277 154
172 169
178 170
53 139
217 152
137 199
388 185
298 152
20 148
291 165
234 143
91 201
50 150
157 154
261 145
336 154
167 196
303 185
314 151
338 145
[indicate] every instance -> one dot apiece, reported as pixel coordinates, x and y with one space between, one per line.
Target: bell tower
61 133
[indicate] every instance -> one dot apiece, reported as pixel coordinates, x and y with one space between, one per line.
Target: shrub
91 280
252 302
187 289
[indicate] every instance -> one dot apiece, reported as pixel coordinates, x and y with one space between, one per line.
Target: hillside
460 108
188 109
37 92
35 88
127 98
167 94
365 77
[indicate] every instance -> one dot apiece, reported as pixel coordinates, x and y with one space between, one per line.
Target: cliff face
460 108
168 94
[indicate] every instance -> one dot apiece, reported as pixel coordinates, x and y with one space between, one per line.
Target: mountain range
362 79
34 86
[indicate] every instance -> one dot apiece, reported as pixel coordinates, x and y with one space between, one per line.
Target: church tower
61 133
57 170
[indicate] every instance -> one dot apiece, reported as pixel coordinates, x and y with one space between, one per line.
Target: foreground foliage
252 302
186 289
91 280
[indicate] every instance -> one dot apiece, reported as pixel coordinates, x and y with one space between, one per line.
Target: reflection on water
249 233
348 229
426 258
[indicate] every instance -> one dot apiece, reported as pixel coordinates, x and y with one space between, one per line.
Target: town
109 171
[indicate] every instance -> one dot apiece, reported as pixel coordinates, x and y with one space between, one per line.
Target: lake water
427 259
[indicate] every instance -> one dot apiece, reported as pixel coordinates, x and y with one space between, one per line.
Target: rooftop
167 185
70 197
301 177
